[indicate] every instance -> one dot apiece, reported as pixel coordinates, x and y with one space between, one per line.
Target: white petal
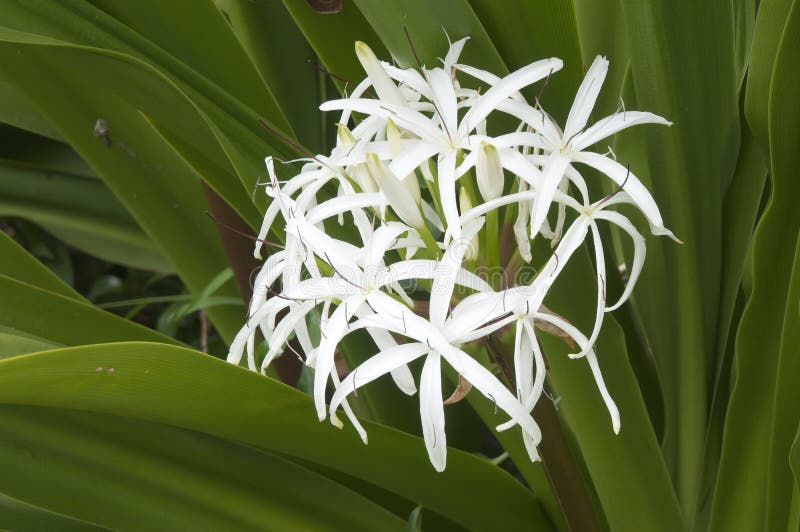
447 192
612 124
447 270
639 250
401 375
504 88
348 411
410 77
600 265
413 157
407 118
486 383
444 96
635 189
453 53
431 409
552 175
486 77
376 366
340 204
591 358
586 97
332 332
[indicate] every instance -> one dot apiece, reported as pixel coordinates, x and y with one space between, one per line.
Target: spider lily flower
425 123
436 343
443 135
570 146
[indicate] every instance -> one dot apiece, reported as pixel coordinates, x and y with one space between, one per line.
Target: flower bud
398 196
383 84
489 172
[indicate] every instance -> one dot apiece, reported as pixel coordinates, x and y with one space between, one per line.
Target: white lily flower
425 123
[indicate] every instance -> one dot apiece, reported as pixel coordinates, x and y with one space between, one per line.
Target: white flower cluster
419 185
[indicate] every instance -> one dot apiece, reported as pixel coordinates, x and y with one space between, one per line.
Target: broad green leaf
739 216
20 265
16 515
180 387
80 211
291 76
689 165
12 344
525 31
332 37
207 46
17 110
126 474
767 34
427 23
31 311
158 189
746 446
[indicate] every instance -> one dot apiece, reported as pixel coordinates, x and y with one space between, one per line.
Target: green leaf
291 76
80 211
509 24
31 311
688 165
332 37
159 190
15 515
753 419
180 387
122 473
20 265
427 23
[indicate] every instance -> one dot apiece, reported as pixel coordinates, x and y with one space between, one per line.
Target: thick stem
239 251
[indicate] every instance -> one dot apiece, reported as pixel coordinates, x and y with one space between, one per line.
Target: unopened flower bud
489 172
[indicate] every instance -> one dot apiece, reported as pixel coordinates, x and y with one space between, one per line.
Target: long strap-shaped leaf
127 474
756 426
180 387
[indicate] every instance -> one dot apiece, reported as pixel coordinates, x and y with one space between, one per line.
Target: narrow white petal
413 157
407 118
486 383
348 412
376 366
552 175
639 250
586 97
444 96
410 77
447 192
609 125
453 53
447 270
332 332
504 88
591 358
486 77
431 409
340 204
630 184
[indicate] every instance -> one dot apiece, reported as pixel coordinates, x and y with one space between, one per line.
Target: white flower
425 128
